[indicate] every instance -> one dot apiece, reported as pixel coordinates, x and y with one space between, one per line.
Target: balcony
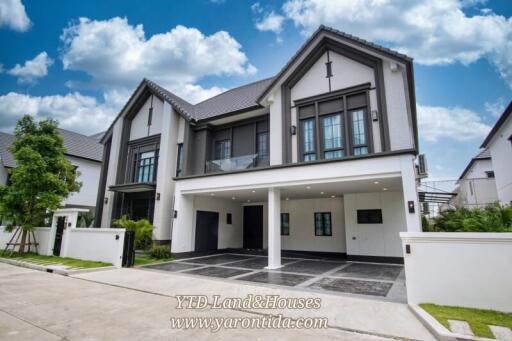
236 163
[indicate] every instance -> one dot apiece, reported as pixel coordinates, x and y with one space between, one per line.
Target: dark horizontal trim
144 140
346 91
134 187
319 254
376 259
302 163
498 125
231 113
245 121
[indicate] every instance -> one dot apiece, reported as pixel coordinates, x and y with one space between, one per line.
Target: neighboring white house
84 152
499 143
319 158
476 187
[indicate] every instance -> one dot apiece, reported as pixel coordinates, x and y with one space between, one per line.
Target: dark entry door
253 227
61 221
207 230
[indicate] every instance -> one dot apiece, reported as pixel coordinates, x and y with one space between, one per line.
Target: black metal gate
129 249
61 221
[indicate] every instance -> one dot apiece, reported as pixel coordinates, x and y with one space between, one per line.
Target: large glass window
332 136
179 160
308 139
359 138
323 224
222 149
145 166
263 148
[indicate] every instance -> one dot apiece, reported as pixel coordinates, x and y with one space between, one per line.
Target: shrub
142 228
493 218
160 252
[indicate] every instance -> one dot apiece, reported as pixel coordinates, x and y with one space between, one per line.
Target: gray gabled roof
233 100
6 157
76 144
482 155
97 136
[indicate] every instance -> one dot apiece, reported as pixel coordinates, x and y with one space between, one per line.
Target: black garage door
207 230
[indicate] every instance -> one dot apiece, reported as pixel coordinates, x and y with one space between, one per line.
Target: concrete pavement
344 312
41 306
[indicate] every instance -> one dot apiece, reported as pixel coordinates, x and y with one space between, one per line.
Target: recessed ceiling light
384 189
212 194
287 198
376 182
322 193
248 201
233 198
308 187
333 196
254 191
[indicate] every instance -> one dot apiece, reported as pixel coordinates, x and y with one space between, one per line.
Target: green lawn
54 260
478 319
146 259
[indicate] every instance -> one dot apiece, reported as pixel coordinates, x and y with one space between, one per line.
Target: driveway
41 306
371 280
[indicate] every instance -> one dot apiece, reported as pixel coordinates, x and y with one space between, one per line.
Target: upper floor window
308 139
343 127
490 174
179 160
263 147
145 166
222 149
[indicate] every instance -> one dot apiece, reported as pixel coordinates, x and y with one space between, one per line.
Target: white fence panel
459 269
42 237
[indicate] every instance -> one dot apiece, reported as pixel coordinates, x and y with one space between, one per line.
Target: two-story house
319 158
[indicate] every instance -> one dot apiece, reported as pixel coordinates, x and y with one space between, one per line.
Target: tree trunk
23 241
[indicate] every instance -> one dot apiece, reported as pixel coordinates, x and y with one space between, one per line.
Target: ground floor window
323 226
285 224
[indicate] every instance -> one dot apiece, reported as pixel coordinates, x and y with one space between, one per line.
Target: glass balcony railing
236 163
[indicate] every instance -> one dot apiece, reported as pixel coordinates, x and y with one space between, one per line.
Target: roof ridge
235 88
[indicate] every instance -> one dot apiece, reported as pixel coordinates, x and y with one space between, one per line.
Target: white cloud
13 15
495 108
117 56
455 123
32 69
433 32
73 111
271 22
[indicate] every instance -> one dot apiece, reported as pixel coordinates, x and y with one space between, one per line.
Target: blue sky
81 71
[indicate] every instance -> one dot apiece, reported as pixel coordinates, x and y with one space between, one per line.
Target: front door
61 222
253 227
207 230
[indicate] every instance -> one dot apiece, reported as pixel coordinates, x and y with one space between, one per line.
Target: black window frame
345 111
135 149
263 159
218 152
285 214
179 160
322 135
490 174
369 216
323 227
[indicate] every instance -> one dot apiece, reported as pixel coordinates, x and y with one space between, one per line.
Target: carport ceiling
309 191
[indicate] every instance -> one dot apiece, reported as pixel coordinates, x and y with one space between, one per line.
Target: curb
51 269
440 331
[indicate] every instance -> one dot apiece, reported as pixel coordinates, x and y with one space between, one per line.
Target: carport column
410 193
183 230
274 228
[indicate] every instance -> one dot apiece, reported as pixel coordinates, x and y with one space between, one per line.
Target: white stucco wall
475 189
89 177
230 235
375 239
501 153
112 173
459 269
139 127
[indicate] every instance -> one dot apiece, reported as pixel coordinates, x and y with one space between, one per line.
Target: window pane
358 129
309 157
318 224
285 224
223 149
179 163
333 135
333 154
360 150
308 136
327 224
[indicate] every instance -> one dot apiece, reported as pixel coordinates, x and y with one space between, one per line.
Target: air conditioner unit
422 166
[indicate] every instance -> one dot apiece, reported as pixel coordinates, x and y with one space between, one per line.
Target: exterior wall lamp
293 130
105 200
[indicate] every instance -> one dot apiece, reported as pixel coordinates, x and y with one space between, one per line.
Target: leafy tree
43 177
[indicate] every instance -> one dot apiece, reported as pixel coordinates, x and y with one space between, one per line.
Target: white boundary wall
459 269
42 237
